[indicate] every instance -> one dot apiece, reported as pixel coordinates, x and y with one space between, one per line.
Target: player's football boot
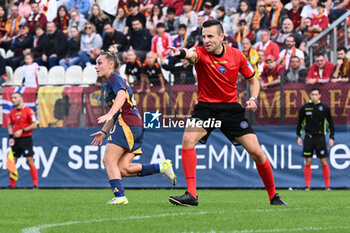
118 201
276 200
184 200
167 170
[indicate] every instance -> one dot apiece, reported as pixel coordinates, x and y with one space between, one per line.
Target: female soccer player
125 134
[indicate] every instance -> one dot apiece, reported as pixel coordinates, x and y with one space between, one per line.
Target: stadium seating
42 75
74 75
89 75
9 73
18 76
9 54
2 52
56 76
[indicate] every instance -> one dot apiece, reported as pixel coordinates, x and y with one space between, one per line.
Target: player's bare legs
110 160
190 138
126 168
251 144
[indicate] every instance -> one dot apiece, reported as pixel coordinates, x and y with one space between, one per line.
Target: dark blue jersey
128 112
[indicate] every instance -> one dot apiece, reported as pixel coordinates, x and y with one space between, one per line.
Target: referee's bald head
214 22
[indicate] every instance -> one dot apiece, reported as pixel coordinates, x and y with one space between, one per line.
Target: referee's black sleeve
330 123
300 120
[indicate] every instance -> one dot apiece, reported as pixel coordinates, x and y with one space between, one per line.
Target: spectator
22 42
140 40
309 11
319 22
146 6
175 4
207 11
12 28
195 38
41 42
73 48
229 5
277 14
113 37
261 61
289 52
76 20
151 73
171 22
320 72
3 19
230 41
24 9
109 8
62 19
336 8
35 17
243 12
30 70
271 75
133 67
98 18
295 14
288 30
56 48
243 31
251 54
269 47
297 72
181 40
82 6
189 17
161 41
134 14
259 20
342 70
120 21
3 75
224 19
183 74
154 18
90 44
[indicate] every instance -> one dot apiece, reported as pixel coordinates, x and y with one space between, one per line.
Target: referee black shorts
315 142
232 116
23 146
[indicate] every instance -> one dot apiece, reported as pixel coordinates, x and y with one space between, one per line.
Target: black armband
182 54
103 131
11 136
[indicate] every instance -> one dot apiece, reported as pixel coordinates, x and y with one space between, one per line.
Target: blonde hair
100 16
111 55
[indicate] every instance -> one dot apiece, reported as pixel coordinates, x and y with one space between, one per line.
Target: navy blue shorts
128 137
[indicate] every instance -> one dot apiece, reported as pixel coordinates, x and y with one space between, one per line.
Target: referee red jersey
22 118
217 76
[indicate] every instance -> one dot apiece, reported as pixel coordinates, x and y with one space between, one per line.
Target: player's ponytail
112 56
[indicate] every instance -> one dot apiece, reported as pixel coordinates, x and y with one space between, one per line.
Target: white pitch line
36 229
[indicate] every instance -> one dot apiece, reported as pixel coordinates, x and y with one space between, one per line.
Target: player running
125 134
217 69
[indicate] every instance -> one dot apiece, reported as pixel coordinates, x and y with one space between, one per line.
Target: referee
314 117
22 124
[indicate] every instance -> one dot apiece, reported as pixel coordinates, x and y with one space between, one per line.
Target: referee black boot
184 200
276 200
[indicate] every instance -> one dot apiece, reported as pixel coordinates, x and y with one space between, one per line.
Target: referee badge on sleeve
244 124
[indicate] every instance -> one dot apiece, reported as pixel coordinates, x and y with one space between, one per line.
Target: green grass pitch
237 211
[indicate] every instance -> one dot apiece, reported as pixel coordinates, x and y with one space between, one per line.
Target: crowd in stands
272 34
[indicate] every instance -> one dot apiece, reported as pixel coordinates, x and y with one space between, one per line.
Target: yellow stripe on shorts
127 131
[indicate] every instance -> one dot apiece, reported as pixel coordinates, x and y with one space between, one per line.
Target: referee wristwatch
254 99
